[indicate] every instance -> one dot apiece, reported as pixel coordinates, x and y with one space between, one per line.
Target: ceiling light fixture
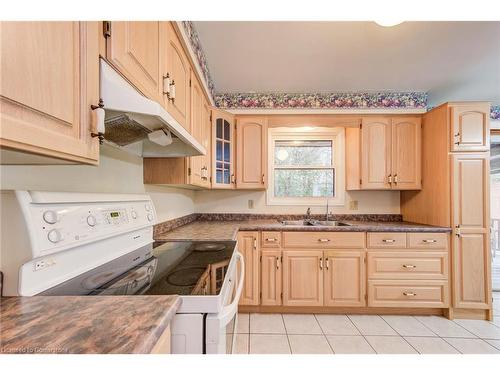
388 22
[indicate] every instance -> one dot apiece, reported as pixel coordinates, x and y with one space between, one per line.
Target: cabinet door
134 49
344 278
303 278
406 153
470 127
251 153
179 71
470 205
222 150
49 80
376 153
206 141
196 162
270 275
248 246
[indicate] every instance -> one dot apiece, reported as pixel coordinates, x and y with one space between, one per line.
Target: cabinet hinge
360 182
210 116
366 297
106 28
189 171
189 82
210 179
361 126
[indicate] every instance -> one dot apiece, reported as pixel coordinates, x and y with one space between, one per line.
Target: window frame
336 136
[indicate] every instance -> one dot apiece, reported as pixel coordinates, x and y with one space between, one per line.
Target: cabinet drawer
271 239
400 293
407 265
320 240
428 240
387 240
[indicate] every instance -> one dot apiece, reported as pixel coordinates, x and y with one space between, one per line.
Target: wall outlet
353 205
250 203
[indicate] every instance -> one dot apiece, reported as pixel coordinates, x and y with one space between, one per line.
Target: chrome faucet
308 214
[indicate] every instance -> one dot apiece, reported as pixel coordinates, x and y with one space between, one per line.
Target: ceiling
441 58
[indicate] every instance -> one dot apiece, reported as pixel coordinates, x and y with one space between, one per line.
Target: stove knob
134 214
54 236
50 217
147 207
150 217
91 220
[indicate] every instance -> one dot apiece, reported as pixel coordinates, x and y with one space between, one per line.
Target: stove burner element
209 247
185 276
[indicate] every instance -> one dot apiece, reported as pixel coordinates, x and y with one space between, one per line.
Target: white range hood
140 125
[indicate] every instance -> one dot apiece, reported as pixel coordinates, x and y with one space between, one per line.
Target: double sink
314 223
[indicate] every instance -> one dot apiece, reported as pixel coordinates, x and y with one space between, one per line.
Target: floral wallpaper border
495 112
194 40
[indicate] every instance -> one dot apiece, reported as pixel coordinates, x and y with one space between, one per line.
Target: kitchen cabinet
270 277
251 153
469 127
385 154
470 201
344 275
49 80
135 49
249 247
303 278
223 150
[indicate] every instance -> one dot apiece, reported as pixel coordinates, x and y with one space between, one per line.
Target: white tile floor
366 334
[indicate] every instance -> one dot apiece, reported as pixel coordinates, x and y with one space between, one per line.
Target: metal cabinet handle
388 240
263 181
409 266
409 294
166 84
327 263
320 263
323 240
457 230
171 95
255 243
395 179
389 179
429 241
277 263
233 180
270 239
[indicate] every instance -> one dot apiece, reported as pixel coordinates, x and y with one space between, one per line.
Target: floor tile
496 321
336 325
495 343
350 345
309 344
269 344
431 345
496 304
444 327
304 324
243 323
407 325
372 325
241 344
390 345
480 328
266 323
472 346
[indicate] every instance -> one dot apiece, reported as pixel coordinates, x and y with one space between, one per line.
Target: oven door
220 329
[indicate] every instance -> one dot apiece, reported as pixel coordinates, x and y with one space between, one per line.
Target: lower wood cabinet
270 278
249 247
303 278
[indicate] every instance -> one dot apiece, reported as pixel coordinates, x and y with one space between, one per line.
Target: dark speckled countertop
84 324
227 230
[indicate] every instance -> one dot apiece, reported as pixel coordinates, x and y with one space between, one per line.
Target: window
306 166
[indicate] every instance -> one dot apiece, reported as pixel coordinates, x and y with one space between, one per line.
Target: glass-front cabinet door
223 150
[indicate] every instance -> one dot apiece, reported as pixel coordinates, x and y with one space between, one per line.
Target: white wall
369 202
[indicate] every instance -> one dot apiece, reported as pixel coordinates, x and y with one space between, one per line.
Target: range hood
140 125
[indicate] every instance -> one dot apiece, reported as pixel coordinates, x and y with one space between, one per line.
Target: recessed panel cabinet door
406 153
248 246
49 79
251 153
270 274
376 153
134 49
302 278
223 150
344 278
470 204
470 127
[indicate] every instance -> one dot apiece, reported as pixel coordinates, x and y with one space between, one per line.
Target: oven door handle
228 311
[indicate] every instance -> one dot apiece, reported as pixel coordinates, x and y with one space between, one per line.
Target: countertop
84 324
227 230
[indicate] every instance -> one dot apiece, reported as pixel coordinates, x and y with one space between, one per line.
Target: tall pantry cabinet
455 193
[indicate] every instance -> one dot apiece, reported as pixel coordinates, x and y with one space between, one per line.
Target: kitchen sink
314 223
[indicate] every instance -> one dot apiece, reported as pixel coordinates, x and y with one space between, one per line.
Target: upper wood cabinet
223 150
49 80
178 69
469 127
385 154
249 247
251 153
134 48
470 220
270 277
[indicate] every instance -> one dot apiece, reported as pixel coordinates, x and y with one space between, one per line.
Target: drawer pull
388 241
320 263
277 263
409 266
271 239
323 240
409 294
429 241
327 263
